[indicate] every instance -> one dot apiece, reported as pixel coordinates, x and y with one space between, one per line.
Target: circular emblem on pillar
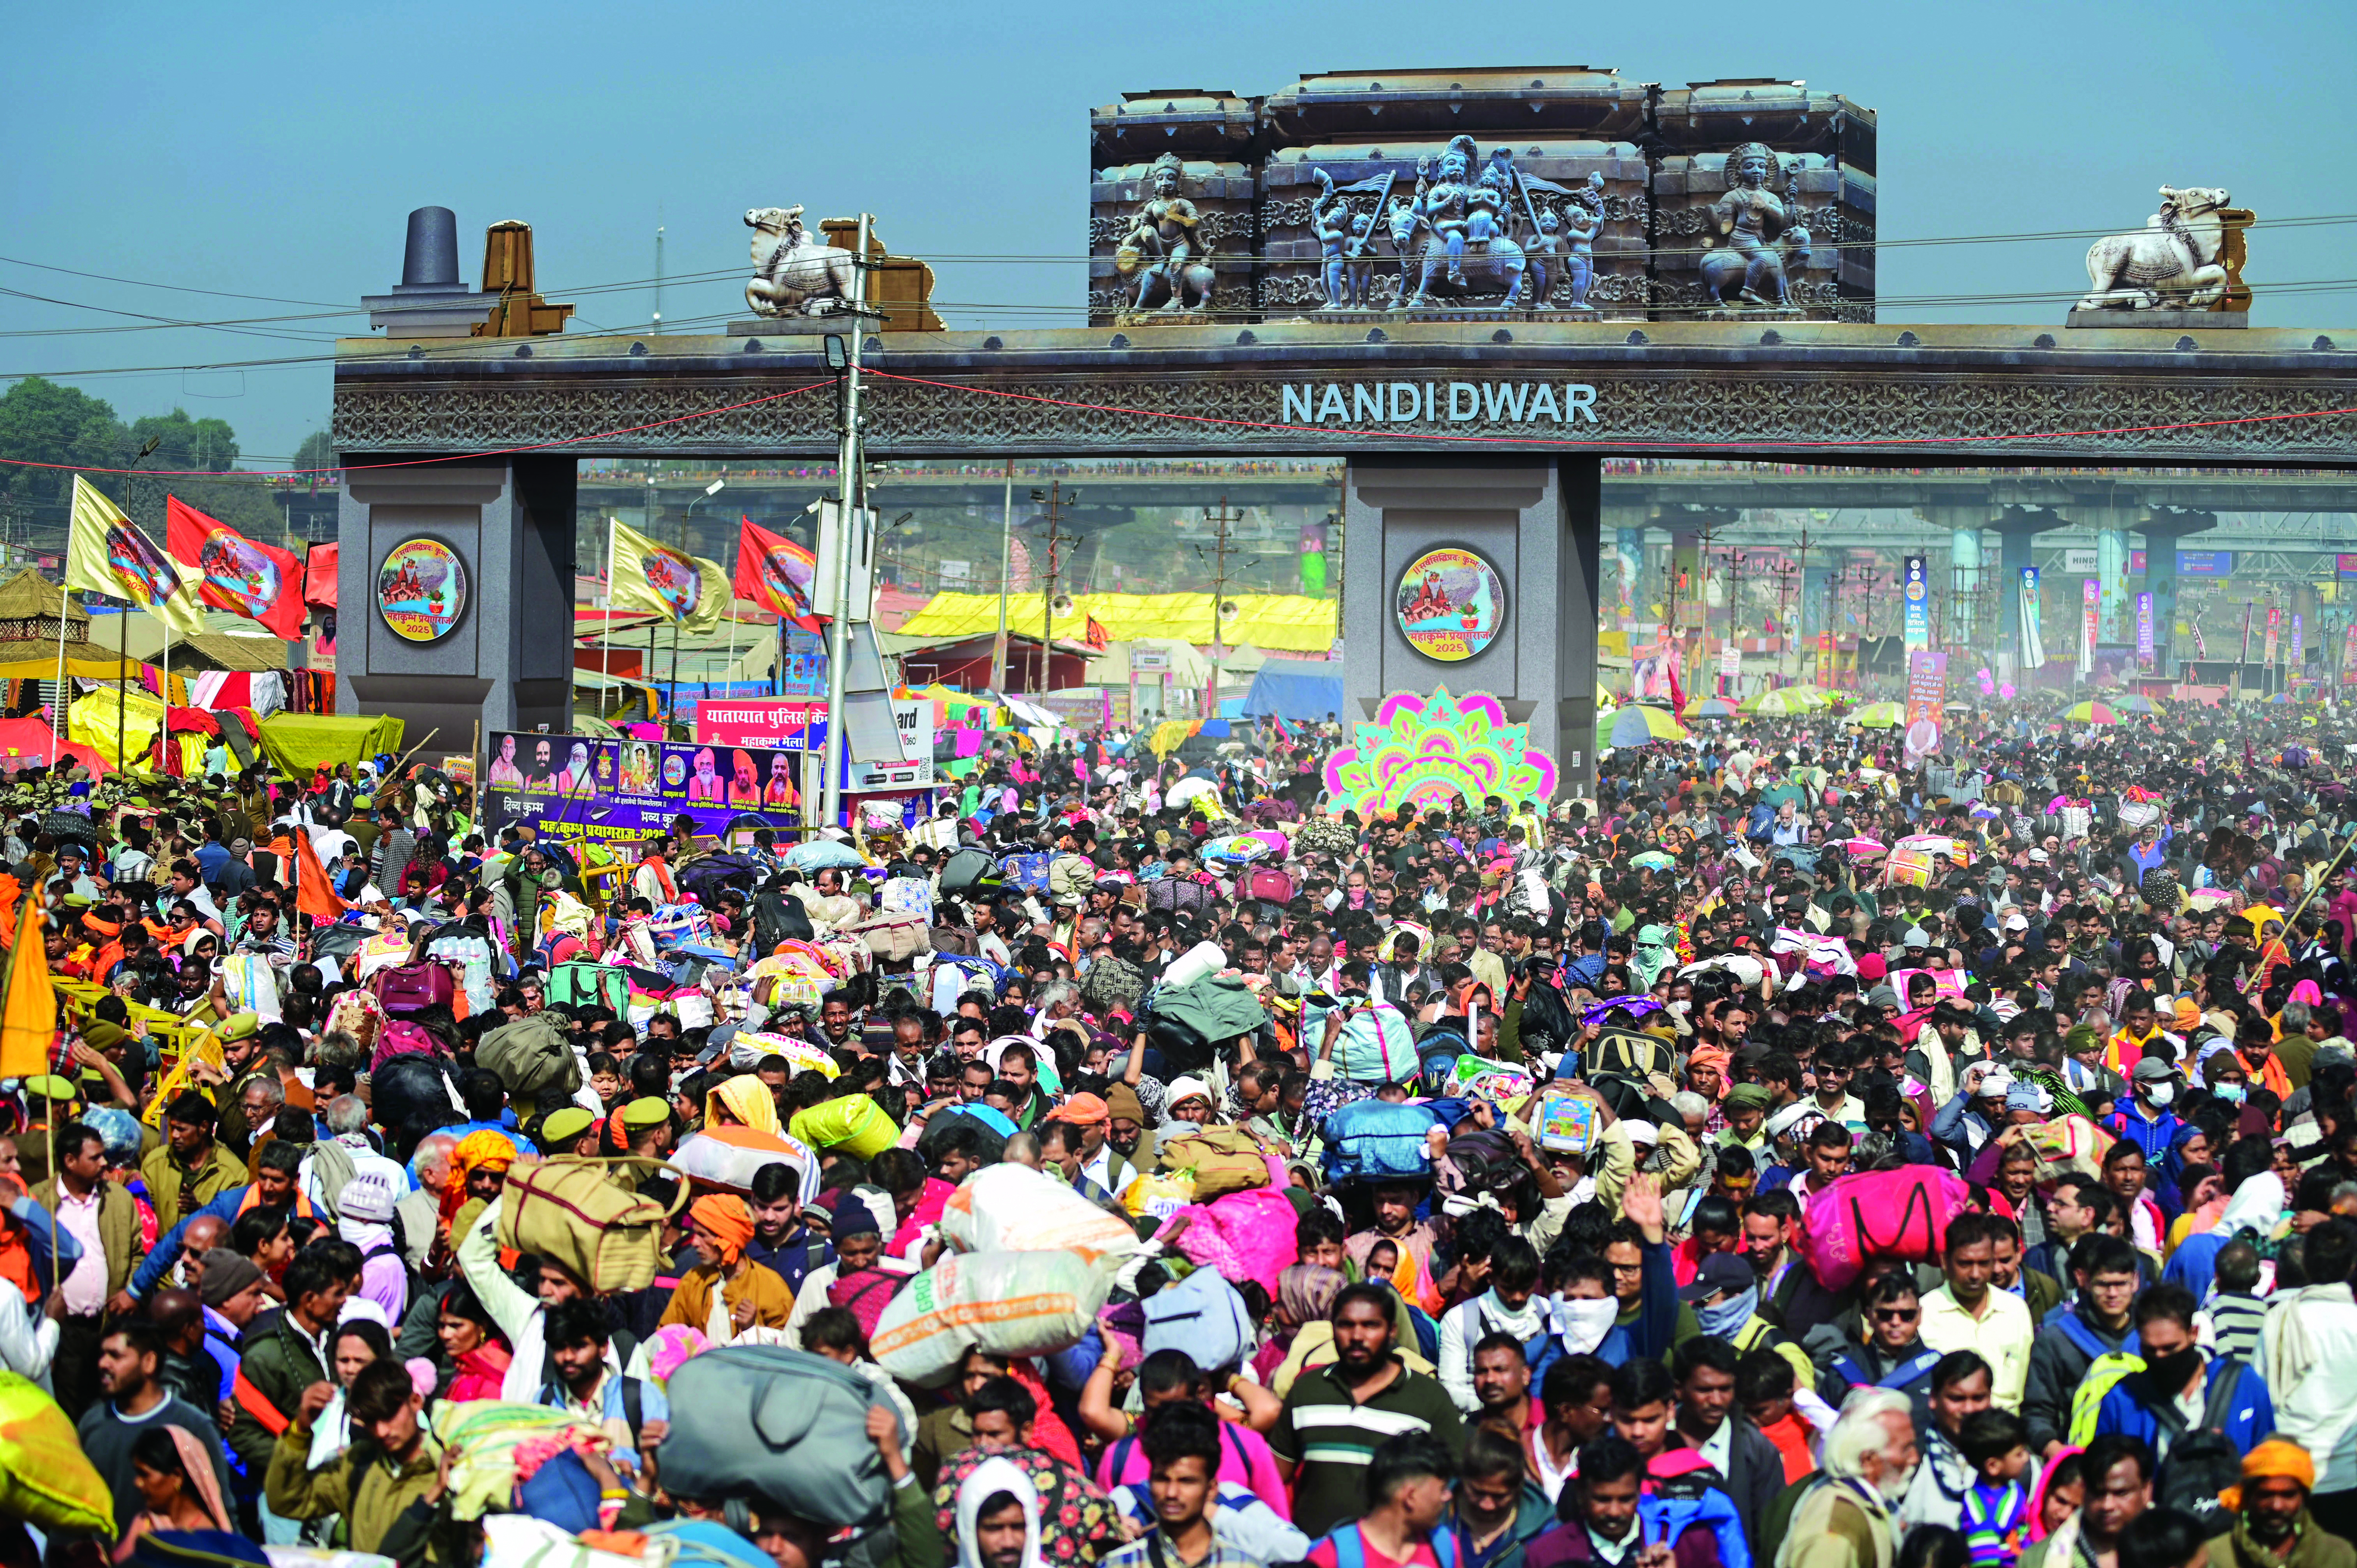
1451 604
421 590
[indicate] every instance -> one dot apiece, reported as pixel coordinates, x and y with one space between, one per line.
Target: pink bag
399 1038
1897 1214
1243 1236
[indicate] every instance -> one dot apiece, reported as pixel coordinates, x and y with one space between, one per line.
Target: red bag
399 1038
413 988
865 1292
1901 1214
1273 885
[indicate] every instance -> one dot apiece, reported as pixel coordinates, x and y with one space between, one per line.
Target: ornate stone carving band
2273 400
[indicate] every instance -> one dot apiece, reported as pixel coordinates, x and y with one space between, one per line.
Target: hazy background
273 150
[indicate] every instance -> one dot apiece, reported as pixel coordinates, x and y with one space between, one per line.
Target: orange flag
314 894
28 1020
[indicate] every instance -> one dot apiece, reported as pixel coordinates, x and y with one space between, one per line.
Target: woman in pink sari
175 1477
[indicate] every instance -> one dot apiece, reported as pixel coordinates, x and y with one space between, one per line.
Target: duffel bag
786 1426
45 1478
590 984
896 937
1112 984
852 1122
532 1053
1901 1214
567 1209
969 871
1009 1304
731 1157
1378 1140
1014 1208
1029 872
413 988
1222 1160
1201 1314
2069 1145
1376 1046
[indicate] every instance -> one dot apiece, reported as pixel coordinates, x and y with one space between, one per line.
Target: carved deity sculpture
1583 218
1345 267
1746 224
1160 247
793 273
2177 261
1471 221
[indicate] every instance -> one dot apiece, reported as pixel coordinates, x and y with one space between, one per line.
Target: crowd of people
1796 1152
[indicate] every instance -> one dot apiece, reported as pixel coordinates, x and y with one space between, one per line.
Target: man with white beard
1846 1519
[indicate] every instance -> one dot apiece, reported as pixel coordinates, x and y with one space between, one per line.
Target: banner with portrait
572 786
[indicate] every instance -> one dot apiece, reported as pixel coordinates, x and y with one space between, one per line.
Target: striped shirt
1330 1436
2235 1321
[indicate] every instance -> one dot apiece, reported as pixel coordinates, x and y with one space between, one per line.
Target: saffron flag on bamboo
776 573
259 582
28 1022
314 895
106 554
643 576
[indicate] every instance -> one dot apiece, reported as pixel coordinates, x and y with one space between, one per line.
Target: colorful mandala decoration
1434 750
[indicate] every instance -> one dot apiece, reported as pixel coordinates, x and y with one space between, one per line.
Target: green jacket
383 1503
218 1172
118 1228
2311 1547
280 1364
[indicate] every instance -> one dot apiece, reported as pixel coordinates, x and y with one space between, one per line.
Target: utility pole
1221 521
850 479
659 242
1005 548
1054 500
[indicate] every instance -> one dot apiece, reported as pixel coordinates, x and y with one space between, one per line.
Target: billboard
2033 642
627 789
1915 587
782 724
2144 647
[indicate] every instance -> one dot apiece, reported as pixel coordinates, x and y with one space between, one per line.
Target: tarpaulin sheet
1292 622
95 718
298 742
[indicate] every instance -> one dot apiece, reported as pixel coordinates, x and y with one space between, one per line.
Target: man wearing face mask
1726 1298
2146 1120
1846 1518
2181 1388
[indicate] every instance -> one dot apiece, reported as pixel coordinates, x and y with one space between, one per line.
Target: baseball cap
1720 1272
2153 1069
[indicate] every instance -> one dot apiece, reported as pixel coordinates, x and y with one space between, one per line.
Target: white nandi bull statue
2173 261
793 273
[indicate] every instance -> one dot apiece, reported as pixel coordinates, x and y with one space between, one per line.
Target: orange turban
1716 1058
726 1221
1083 1109
2275 1457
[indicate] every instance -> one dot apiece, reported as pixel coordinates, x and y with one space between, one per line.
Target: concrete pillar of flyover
2017 529
2161 531
1624 524
1815 585
1960 586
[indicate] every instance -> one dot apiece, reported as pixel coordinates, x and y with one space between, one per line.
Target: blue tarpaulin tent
1295 693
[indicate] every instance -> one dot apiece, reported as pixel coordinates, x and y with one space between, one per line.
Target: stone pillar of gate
2161 531
1538 526
506 658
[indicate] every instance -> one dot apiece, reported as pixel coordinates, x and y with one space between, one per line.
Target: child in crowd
1996 1505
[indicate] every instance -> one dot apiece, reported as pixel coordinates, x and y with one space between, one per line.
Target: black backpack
2200 1466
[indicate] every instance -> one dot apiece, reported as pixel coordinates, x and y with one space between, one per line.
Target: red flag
1677 698
259 582
776 573
319 577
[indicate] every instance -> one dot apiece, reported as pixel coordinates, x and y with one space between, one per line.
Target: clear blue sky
273 149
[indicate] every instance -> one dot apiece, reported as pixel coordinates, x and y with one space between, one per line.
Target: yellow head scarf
747 1101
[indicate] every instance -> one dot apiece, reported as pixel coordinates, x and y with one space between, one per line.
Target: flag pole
57 716
123 683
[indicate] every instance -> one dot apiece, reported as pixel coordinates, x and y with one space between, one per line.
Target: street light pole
849 480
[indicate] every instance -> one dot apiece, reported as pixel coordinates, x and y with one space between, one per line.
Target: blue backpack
1351 1547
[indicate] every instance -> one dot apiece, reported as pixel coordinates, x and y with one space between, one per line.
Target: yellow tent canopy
298 742
94 718
1294 623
